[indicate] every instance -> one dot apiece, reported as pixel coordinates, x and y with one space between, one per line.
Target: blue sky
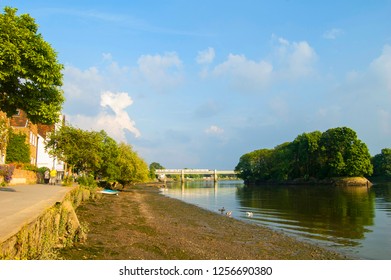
199 83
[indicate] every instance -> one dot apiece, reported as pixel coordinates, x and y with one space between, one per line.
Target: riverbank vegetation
97 156
312 157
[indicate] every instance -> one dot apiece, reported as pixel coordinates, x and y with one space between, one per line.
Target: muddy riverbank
141 223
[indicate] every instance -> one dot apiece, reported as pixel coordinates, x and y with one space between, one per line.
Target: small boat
108 191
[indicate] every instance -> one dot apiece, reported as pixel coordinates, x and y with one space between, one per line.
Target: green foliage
334 153
97 155
131 167
152 168
382 163
109 153
87 181
30 75
17 149
79 148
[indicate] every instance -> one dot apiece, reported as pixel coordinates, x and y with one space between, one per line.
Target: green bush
17 149
87 181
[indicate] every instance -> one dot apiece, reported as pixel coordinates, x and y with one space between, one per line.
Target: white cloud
116 101
381 66
81 84
296 59
245 73
290 61
206 56
214 130
160 71
333 33
114 124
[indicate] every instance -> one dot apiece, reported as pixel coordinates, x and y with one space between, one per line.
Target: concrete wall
58 226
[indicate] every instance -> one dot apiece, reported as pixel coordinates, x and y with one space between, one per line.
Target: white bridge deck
183 172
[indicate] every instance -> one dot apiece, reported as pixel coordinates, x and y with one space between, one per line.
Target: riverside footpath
22 204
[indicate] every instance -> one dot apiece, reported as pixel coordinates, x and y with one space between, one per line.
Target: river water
355 221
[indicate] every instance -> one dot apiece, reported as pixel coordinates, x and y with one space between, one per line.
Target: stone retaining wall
57 227
23 177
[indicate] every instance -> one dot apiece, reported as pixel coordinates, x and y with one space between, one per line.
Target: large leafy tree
131 167
382 163
305 152
343 154
79 148
30 74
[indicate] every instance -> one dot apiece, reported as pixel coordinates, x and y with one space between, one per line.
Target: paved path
20 205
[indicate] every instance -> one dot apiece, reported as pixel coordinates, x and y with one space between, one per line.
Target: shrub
6 171
87 181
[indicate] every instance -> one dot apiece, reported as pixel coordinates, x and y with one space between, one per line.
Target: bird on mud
228 214
249 214
222 210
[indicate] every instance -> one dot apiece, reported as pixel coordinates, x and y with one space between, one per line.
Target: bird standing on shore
222 210
249 214
229 214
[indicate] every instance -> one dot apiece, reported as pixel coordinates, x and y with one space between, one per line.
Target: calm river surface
354 221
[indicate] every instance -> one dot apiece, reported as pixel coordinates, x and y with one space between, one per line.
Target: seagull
249 214
222 210
229 213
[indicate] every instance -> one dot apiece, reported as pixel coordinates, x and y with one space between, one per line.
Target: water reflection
339 215
355 220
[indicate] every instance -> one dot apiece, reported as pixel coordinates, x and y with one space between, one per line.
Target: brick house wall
20 123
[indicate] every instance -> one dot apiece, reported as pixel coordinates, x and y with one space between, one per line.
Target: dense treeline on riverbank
95 154
336 152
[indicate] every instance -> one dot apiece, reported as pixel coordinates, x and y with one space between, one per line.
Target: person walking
46 176
53 175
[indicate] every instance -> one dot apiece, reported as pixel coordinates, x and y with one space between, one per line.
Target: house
20 123
4 124
36 135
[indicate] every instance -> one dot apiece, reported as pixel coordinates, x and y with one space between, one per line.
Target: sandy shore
143 224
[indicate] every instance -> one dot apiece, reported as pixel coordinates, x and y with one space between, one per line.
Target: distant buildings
36 135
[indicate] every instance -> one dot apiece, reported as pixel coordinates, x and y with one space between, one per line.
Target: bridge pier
182 175
215 176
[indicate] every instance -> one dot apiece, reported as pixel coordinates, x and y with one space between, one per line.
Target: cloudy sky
199 83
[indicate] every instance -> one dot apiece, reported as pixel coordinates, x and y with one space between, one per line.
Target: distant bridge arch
183 172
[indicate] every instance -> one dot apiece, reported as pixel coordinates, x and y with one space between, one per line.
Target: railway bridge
183 172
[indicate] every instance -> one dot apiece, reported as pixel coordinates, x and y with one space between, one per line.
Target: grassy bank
140 223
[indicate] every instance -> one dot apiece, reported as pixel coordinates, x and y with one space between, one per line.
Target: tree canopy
97 154
382 163
336 152
30 74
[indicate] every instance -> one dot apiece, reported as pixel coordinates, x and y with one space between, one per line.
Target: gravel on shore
141 223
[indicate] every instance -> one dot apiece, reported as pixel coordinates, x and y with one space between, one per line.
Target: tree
77 147
305 155
343 154
17 149
109 152
152 168
382 163
131 167
333 153
30 75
